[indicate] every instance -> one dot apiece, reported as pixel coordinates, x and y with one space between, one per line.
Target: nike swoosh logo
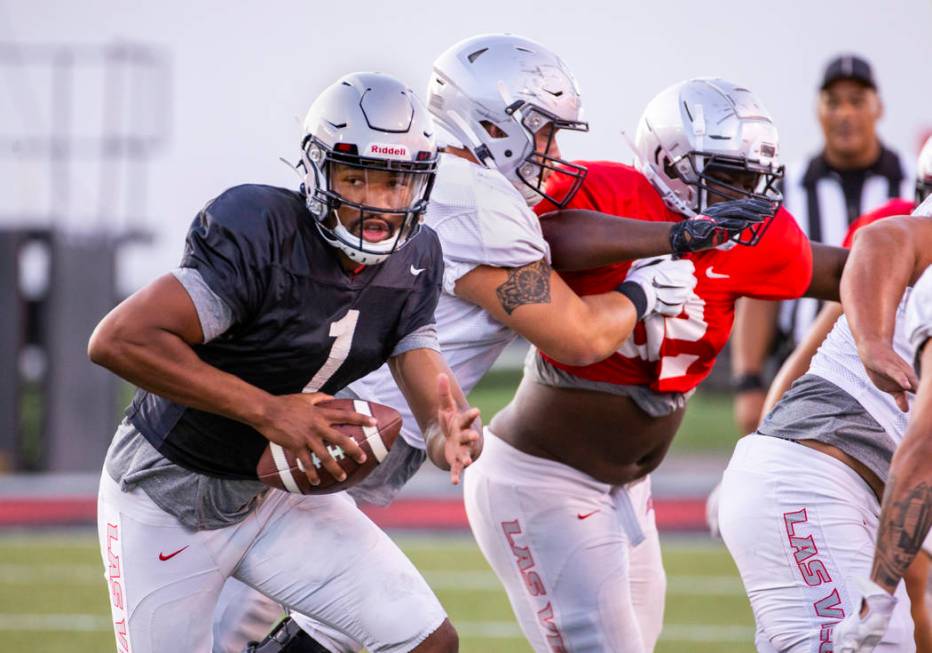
715 275
416 271
164 557
580 515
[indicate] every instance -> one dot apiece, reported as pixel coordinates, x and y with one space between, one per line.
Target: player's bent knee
443 640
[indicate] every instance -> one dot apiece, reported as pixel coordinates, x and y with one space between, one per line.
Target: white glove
856 635
711 510
667 283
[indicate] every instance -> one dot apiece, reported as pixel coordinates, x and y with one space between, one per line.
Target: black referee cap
848 66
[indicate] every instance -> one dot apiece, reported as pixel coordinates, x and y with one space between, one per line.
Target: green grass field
53 598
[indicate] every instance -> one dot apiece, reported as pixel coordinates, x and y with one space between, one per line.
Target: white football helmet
704 136
924 172
493 93
369 133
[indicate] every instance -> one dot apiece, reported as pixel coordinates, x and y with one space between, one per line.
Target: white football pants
801 527
317 554
580 559
242 615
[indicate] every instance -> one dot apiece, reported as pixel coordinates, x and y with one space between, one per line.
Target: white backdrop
243 72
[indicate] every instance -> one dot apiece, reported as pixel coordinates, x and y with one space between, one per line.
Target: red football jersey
896 206
674 354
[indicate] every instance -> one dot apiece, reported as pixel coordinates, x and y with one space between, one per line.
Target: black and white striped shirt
825 202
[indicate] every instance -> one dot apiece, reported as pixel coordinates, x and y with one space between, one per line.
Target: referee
853 174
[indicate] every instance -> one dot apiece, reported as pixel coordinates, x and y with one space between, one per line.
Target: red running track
432 514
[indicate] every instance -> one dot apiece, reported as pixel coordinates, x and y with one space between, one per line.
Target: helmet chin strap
335 238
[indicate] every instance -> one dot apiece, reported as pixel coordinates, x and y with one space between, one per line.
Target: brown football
280 469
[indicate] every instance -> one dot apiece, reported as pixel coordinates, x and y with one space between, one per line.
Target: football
280 469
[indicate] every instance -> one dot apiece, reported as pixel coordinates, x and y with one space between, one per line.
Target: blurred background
120 120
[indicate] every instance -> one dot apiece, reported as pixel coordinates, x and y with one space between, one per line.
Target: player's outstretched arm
452 429
828 264
535 302
147 340
886 257
582 239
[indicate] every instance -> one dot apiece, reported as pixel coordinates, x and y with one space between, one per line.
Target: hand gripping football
280 469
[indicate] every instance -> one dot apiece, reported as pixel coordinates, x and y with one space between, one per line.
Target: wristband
636 294
748 382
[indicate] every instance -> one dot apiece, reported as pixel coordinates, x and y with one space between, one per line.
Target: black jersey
298 318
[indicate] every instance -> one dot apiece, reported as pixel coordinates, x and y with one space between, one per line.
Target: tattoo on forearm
904 523
525 285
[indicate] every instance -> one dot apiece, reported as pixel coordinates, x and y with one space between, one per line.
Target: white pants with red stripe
319 555
801 527
580 559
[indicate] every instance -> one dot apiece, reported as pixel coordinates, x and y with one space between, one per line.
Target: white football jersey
481 220
837 361
919 312
919 316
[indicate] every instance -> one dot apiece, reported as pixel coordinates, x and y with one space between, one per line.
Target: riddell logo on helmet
390 151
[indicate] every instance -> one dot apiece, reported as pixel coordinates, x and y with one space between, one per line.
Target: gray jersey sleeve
214 314
424 337
919 315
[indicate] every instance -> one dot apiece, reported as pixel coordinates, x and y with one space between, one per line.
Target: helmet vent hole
475 55
492 129
669 170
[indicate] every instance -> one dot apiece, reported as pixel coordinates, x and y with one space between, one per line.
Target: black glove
286 637
719 224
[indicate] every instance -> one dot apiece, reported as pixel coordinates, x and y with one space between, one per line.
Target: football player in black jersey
282 298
